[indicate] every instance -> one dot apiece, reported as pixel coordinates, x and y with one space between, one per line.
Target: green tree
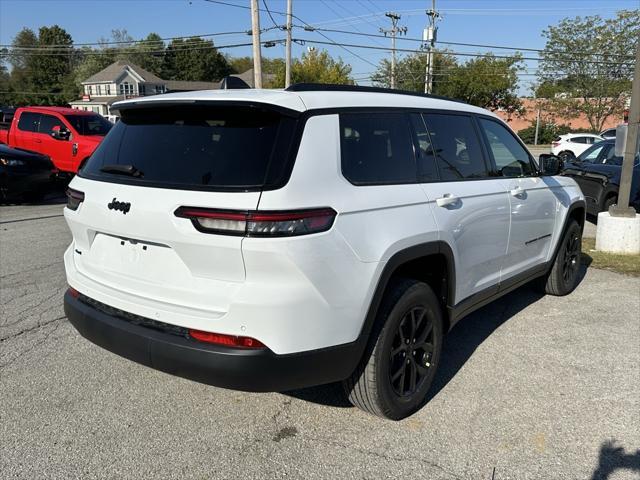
52 72
547 132
410 71
240 64
587 66
5 97
148 53
194 59
487 82
21 67
91 61
316 67
270 66
42 77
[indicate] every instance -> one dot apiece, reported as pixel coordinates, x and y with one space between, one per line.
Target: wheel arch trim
398 259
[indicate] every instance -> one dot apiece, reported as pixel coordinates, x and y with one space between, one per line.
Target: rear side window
47 122
89 124
28 122
377 148
510 157
196 147
457 148
579 140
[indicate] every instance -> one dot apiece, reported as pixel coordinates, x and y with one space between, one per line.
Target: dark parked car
24 174
597 170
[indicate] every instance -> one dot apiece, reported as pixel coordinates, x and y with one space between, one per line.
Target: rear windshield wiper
122 170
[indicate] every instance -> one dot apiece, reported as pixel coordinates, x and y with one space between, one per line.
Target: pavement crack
387 456
29 219
35 345
31 329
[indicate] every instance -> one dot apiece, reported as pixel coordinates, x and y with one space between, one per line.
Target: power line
463 11
463 54
497 47
264 2
106 52
331 42
338 13
393 31
125 42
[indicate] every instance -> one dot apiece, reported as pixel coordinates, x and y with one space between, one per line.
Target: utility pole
257 54
619 229
429 37
535 139
393 31
287 68
622 209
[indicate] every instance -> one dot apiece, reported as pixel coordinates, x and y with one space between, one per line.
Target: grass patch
627 264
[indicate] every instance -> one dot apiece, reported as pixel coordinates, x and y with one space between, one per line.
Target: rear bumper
239 369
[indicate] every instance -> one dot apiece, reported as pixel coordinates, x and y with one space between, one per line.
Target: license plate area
133 258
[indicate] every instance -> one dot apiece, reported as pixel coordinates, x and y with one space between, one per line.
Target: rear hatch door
156 160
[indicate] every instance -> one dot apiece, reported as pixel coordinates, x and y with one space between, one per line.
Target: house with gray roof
122 80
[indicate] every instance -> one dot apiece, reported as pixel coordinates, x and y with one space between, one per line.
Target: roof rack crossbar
332 87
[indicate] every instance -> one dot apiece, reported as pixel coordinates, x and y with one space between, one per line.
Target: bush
547 132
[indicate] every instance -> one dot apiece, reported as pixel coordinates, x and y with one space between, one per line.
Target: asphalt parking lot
531 387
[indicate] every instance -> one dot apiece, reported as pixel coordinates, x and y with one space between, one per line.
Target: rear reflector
73 292
226 340
259 224
74 198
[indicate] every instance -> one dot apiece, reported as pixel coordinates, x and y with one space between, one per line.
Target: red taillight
73 292
259 224
74 198
226 340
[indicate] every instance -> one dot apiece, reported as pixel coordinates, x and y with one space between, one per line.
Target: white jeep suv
270 240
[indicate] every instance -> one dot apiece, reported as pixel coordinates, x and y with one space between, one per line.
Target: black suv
597 170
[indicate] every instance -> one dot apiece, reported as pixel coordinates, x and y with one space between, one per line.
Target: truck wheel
563 277
395 374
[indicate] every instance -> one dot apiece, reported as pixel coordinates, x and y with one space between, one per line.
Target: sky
512 23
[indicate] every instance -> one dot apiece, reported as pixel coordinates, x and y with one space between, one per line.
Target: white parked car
573 144
270 240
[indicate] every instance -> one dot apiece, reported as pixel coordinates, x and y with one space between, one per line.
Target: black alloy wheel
412 352
397 369
571 258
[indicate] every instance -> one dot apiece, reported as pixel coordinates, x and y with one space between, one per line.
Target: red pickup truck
66 135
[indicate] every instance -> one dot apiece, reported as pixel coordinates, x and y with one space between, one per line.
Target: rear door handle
517 192
37 140
446 199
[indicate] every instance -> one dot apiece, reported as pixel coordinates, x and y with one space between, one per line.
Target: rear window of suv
197 148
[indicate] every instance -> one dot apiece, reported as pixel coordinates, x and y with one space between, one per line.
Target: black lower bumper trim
258 370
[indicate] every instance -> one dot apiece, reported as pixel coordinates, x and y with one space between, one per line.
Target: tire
563 277
612 200
383 384
566 155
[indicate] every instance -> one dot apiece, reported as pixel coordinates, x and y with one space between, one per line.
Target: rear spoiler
127 105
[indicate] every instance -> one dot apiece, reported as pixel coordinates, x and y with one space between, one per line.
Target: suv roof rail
333 87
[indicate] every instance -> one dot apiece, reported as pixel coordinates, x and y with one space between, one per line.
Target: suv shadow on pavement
459 344
613 457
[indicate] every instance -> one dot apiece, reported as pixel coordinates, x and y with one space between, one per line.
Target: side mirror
550 165
60 133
